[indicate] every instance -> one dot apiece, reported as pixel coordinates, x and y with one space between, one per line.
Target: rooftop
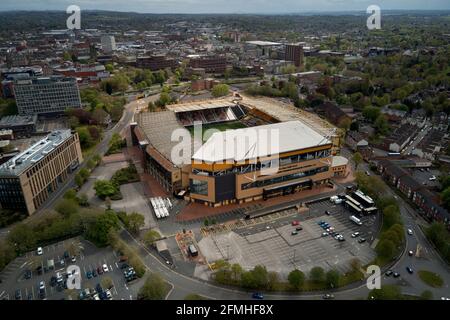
339 161
263 43
251 143
34 154
200 105
17 120
158 128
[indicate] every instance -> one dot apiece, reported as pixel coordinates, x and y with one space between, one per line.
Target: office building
294 53
46 95
108 44
29 178
156 62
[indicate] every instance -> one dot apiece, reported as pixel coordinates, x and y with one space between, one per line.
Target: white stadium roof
250 143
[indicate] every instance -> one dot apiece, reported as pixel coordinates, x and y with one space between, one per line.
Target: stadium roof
264 43
158 128
251 143
200 105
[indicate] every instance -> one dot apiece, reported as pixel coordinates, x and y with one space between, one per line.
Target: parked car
410 253
123 258
18 294
27 274
62 263
361 240
258 296
53 281
328 296
299 228
124 266
99 270
74 259
324 234
89 275
295 223
354 235
105 268
94 273
410 232
39 251
388 273
294 233
410 270
41 285
66 255
327 212
396 274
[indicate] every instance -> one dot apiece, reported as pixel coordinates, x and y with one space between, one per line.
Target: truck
356 220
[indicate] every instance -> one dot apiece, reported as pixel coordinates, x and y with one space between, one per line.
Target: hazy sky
223 6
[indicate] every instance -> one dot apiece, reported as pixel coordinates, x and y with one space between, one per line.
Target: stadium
214 175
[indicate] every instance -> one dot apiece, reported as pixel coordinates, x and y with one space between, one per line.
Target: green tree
296 279
135 222
86 140
104 189
445 195
317 274
154 288
150 237
98 231
385 249
151 106
237 271
357 159
371 113
381 125
333 278
83 200
107 282
22 238
220 90
70 194
67 207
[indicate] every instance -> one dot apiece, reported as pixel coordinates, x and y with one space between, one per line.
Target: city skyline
222 6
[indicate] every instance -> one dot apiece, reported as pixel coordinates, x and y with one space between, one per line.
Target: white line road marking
1 294
117 265
131 297
23 265
111 267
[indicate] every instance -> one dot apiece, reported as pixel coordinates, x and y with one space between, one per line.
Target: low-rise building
29 178
21 126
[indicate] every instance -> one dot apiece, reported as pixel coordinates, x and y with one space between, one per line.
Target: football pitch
223 126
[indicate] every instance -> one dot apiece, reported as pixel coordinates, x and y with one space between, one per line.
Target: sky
224 6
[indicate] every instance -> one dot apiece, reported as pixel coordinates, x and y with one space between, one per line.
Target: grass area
430 278
218 126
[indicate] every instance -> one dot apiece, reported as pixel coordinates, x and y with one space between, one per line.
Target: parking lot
87 259
272 244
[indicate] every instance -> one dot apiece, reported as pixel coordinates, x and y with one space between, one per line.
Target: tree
79 181
296 279
67 207
154 288
85 137
371 113
220 90
83 200
70 194
357 159
386 292
135 222
381 125
272 280
354 126
385 249
150 237
237 270
98 231
332 278
104 188
391 215
164 99
256 278
317 274
22 238
445 195
151 106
